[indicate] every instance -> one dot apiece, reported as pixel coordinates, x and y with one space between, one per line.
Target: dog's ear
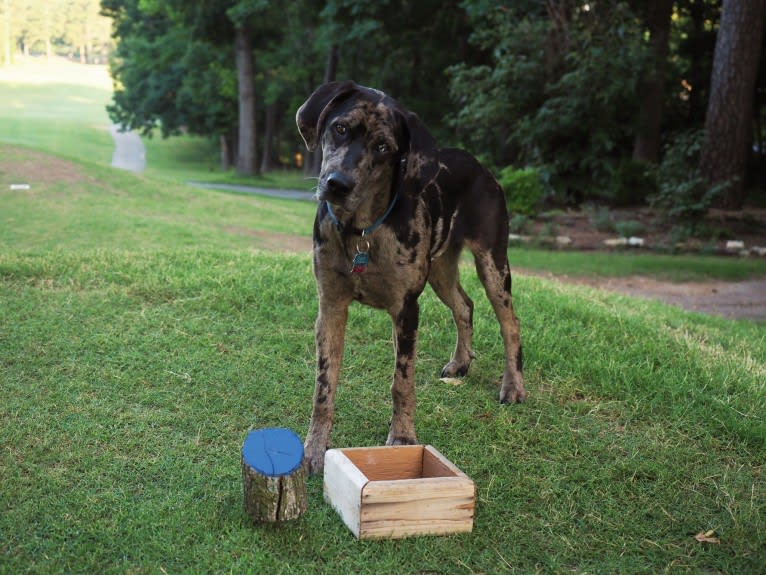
422 154
311 115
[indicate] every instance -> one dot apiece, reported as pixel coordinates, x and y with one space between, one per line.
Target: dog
394 213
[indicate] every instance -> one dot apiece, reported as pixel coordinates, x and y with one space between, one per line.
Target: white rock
563 240
735 245
636 242
615 242
518 239
758 250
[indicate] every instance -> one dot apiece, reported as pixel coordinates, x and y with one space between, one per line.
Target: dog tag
359 265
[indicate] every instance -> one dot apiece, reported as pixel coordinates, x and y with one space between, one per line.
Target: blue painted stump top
273 451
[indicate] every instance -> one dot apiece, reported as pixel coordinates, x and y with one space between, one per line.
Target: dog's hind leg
330 333
494 272
445 281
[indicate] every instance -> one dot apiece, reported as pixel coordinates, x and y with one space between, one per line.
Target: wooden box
392 492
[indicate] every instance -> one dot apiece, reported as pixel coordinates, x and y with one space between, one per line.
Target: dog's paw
512 394
401 439
454 369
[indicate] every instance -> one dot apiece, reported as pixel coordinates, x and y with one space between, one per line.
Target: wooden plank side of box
398 530
433 506
343 484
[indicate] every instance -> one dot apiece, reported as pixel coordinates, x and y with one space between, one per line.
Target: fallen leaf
451 380
707 537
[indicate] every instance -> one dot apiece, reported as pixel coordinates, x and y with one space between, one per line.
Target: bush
524 190
633 183
683 195
629 228
519 224
601 219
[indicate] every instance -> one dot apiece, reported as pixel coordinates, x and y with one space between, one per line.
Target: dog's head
369 144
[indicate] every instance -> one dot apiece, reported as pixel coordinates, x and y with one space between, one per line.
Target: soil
733 300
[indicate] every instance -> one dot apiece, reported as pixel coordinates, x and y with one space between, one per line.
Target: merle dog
394 213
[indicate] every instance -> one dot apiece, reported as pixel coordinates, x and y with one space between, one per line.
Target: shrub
633 183
524 191
629 228
519 224
601 219
683 195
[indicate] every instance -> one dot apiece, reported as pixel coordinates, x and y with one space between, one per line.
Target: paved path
129 152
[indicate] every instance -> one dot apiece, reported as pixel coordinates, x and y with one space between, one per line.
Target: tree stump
272 475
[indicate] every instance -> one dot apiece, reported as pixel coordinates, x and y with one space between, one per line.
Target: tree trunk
268 137
728 122
274 499
246 79
225 152
6 32
557 44
330 70
647 144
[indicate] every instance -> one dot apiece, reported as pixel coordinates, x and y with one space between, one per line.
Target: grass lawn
146 326
143 331
677 268
59 108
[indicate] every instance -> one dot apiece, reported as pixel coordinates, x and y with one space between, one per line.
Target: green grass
191 158
142 333
144 328
677 268
58 108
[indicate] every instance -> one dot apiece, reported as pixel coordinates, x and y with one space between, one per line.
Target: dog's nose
339 184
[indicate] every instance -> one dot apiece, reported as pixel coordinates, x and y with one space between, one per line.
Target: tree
557 90
728 122
6 31
647 142
246 82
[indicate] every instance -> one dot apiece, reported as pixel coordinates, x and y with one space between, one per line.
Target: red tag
359 265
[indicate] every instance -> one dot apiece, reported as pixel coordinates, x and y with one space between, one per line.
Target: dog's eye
383 148
341 129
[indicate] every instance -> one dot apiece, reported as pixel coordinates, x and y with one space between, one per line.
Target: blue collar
368 230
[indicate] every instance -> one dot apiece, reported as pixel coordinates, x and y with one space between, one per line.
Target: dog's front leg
330 330
402 430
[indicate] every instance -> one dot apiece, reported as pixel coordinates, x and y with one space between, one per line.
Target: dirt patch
21 166
733 300
275 241
588 230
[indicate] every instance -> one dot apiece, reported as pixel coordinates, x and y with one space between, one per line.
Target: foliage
632 183
524 190
629 228
683 195
167 79
562 98
519 224
70 28
600 218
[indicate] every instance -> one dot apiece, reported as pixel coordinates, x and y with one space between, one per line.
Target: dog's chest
390 269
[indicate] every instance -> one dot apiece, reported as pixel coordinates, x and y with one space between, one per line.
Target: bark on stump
273 477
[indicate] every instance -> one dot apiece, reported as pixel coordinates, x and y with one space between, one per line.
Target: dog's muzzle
336 187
